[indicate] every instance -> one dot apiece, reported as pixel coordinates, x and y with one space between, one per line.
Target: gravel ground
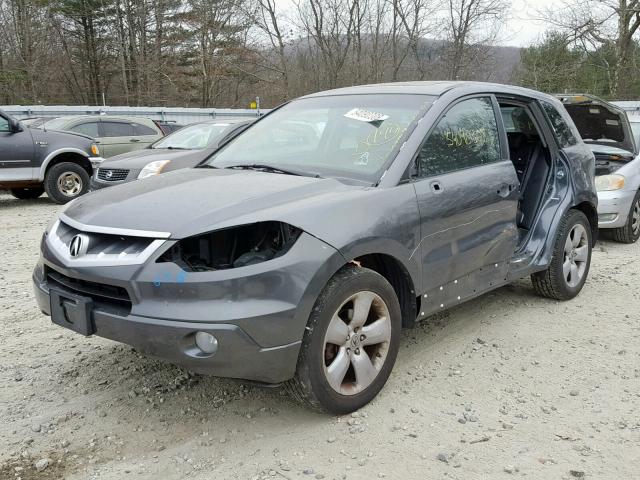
508 385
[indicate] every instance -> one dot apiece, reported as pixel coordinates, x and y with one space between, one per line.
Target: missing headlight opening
233 247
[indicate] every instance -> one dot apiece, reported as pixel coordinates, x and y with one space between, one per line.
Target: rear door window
118 129
562 130
142 130
88 128
467 136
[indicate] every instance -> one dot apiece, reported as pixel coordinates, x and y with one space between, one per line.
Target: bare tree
330 25
269 21
600 23
473 26
418 19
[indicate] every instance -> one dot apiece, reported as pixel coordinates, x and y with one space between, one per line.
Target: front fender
50 156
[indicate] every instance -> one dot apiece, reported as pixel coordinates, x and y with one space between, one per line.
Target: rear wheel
350 344
27 193
631 231
571 259
66 181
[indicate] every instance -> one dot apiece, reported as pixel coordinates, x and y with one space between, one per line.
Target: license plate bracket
72 311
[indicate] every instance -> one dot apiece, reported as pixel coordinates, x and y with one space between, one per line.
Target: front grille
112 174
102 246
102 294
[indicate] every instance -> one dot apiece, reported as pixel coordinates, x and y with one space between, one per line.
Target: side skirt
463 289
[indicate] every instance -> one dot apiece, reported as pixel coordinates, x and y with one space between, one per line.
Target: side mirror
14 125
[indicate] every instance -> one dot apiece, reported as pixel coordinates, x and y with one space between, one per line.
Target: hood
139 158
609 159
74 139
192 201
600 123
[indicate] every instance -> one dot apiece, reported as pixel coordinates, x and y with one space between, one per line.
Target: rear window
563 132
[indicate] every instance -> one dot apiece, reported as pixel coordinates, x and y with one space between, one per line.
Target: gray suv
34 161
297 252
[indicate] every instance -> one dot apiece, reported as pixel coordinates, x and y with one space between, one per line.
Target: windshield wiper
270 169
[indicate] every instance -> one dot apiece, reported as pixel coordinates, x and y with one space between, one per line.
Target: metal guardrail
174 114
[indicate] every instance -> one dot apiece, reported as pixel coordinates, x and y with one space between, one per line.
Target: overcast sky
523 29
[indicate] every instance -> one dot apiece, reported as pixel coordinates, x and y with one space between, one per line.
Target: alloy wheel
576 255
635 218
70 184
356 343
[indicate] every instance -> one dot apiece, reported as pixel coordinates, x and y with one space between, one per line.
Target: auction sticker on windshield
365 115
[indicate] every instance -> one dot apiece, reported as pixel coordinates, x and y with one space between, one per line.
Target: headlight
94 150
233 247
153 168
607 183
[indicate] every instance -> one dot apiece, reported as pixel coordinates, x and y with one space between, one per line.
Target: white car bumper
613 208
96 161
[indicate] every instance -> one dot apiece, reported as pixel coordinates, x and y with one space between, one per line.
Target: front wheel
27 193
350 344
571 259
631 231
66 181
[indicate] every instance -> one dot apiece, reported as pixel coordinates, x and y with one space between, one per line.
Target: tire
558 281
318 356
631 231
27 193
65 181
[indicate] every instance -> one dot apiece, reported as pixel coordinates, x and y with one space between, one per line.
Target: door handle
134 140
505 190
436 187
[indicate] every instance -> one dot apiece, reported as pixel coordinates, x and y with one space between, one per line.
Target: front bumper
96 161
238 356
97 184
614 207
258 316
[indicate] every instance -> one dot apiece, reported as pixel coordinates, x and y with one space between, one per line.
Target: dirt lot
509 385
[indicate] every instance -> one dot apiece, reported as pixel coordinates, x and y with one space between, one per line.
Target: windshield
194 137
54 124
350 136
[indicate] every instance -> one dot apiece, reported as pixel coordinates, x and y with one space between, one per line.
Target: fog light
607 217
206 342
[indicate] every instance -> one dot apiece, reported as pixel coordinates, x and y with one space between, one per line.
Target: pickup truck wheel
570 262
27 193
350 343
66 181
631 231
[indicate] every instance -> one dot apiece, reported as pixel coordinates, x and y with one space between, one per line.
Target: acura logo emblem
78 245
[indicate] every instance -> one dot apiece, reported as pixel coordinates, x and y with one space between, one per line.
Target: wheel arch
72 155
591 213
400 279
395 263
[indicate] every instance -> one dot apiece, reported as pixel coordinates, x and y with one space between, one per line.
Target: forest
224 53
